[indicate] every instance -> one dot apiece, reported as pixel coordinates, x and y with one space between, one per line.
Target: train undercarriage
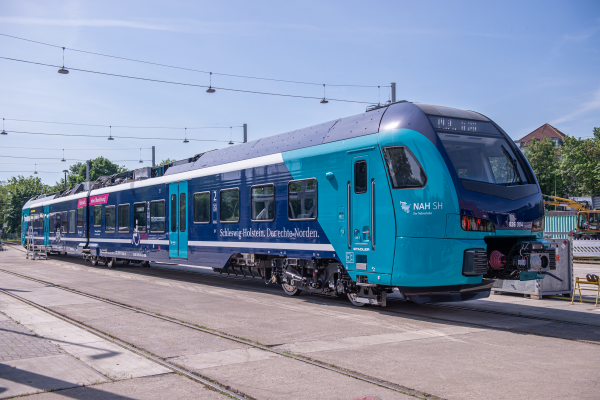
326 277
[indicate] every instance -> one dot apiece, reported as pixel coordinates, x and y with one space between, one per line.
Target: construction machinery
588 219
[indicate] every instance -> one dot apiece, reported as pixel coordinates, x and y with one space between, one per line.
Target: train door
178 218
46 225
361 212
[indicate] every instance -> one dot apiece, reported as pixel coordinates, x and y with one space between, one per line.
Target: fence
11 236
584 248
558 227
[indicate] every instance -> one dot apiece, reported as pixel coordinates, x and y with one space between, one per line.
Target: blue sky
521 63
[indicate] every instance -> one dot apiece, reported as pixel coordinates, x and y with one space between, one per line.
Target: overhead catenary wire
118 137
54 158
184 68
89 149
121 126
186 84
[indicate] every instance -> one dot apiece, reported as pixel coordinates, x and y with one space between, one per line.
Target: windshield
481 154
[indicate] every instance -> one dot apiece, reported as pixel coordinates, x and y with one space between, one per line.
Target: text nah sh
427 206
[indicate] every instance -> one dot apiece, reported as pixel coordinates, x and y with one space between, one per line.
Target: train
431 202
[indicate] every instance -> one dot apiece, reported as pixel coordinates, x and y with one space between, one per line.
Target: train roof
339 129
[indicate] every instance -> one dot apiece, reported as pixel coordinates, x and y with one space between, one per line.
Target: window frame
82 217
239 205
113 227
129 219
65 222
145 215
316 198
164 217
274 203
389 177
366 187
73 216
94 217
209 208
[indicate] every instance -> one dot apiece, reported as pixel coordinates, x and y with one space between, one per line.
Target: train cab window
404 168
360 177
202 208
157 216
65 222
302 199
230 205
97 215
72 221
263 203
124 218
80 217
110 220
139 216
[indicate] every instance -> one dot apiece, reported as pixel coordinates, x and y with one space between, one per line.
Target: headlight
538 225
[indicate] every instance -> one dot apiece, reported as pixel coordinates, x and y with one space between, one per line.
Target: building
545 131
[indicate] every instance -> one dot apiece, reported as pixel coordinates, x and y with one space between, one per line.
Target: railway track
189 374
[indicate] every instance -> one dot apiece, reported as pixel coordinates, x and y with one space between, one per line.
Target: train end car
431 201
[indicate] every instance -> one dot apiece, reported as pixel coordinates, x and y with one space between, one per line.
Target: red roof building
545 131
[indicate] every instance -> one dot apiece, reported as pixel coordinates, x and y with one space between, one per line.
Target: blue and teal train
434 202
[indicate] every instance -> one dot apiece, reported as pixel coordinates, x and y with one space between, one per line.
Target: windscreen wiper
514 164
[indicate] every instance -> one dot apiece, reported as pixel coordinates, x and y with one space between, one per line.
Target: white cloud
79 22
593 104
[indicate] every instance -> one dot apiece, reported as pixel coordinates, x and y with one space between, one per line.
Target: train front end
468 206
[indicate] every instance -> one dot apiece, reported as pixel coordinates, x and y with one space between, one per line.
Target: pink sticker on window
102 199
82 202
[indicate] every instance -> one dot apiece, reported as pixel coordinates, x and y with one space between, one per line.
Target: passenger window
302 199
65 222
139 216
157 216
51 223
202 208
182 221
230 205
80 217
403 168
263 203
72 221
173 213
124 218
97 215
109 219
360 177
57 222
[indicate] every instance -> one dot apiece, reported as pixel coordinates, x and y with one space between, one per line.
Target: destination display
462 125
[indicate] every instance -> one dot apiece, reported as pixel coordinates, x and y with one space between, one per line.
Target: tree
98 167
544 159
18 190
580 165
163 162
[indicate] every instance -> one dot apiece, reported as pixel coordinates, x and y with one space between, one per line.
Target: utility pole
393 92
87 173
245 133
153 157
65 171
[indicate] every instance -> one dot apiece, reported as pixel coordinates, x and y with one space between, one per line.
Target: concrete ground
505 347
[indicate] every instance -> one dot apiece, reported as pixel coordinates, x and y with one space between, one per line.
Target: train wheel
290 290
145 264
125 262
94 261
352 298
110 262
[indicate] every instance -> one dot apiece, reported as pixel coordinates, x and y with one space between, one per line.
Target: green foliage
544 159
580 165
163 162
15 192
98 167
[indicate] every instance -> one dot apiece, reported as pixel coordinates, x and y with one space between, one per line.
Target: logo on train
405 207
57 236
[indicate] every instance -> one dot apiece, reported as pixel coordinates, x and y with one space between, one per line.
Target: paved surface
483 350
18 342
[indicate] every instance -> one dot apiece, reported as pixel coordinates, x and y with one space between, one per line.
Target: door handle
349 219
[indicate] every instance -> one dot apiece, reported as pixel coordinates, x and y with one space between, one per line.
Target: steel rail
352 374
129 347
